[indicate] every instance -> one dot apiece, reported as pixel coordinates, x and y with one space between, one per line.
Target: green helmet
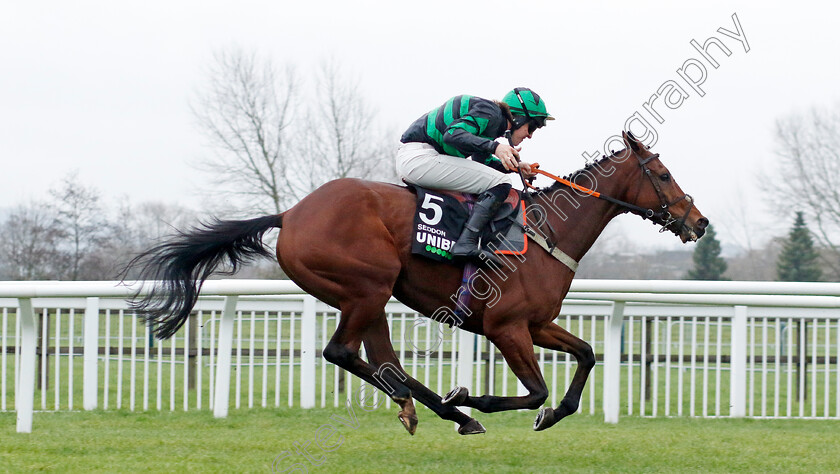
526 105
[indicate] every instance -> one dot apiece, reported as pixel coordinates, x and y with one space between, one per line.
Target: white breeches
421 164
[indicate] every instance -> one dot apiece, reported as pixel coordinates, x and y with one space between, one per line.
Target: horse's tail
181 264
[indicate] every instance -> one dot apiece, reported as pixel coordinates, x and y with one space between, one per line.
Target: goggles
536 122
533 122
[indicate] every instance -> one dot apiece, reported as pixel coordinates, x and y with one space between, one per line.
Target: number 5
437 212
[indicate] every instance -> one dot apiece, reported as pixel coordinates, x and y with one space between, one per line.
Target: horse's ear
630 141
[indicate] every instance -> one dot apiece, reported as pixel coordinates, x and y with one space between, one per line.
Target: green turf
250 441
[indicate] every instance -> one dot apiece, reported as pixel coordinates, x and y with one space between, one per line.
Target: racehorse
348 244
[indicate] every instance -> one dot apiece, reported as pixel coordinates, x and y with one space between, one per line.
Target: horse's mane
573 176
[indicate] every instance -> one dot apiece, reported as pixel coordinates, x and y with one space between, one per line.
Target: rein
662 217
645 213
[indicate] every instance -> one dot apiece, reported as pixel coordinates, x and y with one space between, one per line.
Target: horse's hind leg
343 349
381 354
554 337
388 372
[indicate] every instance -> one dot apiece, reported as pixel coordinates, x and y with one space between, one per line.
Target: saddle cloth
441 216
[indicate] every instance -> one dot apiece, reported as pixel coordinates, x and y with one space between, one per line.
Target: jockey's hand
526 169
508 155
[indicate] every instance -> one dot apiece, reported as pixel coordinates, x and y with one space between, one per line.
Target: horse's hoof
409 422
457 396
471 427
545 419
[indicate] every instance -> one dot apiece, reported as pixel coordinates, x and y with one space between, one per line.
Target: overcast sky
104 87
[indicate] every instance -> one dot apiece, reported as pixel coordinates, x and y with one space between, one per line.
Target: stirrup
475 252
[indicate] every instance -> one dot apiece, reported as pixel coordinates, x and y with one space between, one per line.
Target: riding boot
483 211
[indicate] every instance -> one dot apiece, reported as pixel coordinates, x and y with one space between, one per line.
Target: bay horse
348 244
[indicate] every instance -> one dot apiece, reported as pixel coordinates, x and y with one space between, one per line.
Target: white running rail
667 347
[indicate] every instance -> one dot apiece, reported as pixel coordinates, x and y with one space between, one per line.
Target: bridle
662 216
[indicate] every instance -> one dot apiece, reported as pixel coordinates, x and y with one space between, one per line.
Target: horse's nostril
702 223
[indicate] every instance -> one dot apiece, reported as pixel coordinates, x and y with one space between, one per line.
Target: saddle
441 215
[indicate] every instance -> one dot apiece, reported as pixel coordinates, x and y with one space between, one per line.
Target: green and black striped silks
463 126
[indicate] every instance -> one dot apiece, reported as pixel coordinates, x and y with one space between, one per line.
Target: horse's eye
665 177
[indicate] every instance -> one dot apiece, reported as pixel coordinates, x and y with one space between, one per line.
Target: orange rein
535 167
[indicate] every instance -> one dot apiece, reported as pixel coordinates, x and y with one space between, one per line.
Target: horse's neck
587 216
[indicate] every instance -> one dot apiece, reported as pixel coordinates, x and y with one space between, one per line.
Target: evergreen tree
708 264
798 260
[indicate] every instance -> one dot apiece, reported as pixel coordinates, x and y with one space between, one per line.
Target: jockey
434 147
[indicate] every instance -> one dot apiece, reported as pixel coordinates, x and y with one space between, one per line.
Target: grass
250 441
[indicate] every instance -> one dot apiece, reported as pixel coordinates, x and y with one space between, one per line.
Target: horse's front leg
516 346
554 337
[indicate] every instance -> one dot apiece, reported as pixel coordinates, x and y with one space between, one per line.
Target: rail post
222 389
28 339
738 364
466 356
308 334
90 359
191 358
612 362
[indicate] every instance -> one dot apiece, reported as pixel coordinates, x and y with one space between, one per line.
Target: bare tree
342 139
138 227
29 247
151 221
83 223
808 177
246 112
738 224
275 142
758 263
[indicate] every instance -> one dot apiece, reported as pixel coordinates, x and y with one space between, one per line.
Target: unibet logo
434 241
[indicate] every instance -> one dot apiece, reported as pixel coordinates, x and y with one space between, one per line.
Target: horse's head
658 191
